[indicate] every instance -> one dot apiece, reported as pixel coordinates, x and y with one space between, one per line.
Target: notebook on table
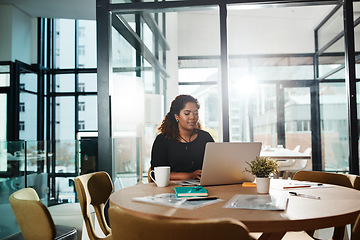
225 163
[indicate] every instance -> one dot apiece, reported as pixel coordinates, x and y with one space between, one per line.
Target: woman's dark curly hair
169 126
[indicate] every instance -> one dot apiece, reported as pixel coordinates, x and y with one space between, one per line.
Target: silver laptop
225 163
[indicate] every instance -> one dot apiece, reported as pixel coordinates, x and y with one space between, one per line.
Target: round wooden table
338 206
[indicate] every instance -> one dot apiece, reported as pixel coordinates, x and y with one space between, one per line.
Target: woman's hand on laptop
196 174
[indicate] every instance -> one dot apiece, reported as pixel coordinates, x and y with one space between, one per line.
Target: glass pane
88 155
12 162
65 43
65 118
356 6
37 176
87 44
148 37
65 156
298 120
126 155
328 64
3 116
87 82
123 53
265 115
65 83
357 43
4 75
196 30
65 190
277 68
197 74
334 127
28 116
28 81
149 80
87 113
331 28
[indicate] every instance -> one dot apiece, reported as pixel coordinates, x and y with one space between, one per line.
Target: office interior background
83 88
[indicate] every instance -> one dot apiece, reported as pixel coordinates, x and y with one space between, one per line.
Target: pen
304 195
201 198
296 186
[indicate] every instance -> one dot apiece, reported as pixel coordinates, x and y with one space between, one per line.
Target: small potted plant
262 167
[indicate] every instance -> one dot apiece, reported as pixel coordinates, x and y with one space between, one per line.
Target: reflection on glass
87 113
28 116
87 82
65 118
65 156
331 28
3 116
65 83
87 44
123 54
65 43
65 190
126 159
334 127
298 120
28 81
265 118
4 75
281 68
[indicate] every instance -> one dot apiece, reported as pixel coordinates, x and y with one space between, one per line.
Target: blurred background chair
128 226
34 218
297 165
297 148
94 189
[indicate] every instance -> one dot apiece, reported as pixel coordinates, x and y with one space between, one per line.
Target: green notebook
197 191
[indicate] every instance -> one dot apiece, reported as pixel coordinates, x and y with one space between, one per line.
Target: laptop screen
225 162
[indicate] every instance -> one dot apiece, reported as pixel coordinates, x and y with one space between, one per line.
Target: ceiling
85 9
71 9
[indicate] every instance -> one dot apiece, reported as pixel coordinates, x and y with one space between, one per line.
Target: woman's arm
182 175
159 152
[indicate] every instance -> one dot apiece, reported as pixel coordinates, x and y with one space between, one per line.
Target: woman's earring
177 120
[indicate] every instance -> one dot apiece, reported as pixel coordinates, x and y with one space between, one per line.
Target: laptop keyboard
191 181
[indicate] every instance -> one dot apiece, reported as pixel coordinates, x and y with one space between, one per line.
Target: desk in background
284 154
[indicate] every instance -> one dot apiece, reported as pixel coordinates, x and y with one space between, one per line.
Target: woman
181 142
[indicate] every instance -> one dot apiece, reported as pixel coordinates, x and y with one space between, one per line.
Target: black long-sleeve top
181 157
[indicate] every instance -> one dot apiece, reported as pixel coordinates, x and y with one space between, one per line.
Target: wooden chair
128 225
95 189
355 234
344 180
149 178
34 218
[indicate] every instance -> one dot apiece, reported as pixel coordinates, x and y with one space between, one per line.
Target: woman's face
188 117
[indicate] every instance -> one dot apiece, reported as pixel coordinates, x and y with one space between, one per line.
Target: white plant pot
262 184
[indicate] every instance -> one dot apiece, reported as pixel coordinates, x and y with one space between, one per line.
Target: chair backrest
128 225
149 178
345 180
94 189
297 148
307 151
355 234
32 216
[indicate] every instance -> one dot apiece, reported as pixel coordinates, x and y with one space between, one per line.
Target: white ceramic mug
162 176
